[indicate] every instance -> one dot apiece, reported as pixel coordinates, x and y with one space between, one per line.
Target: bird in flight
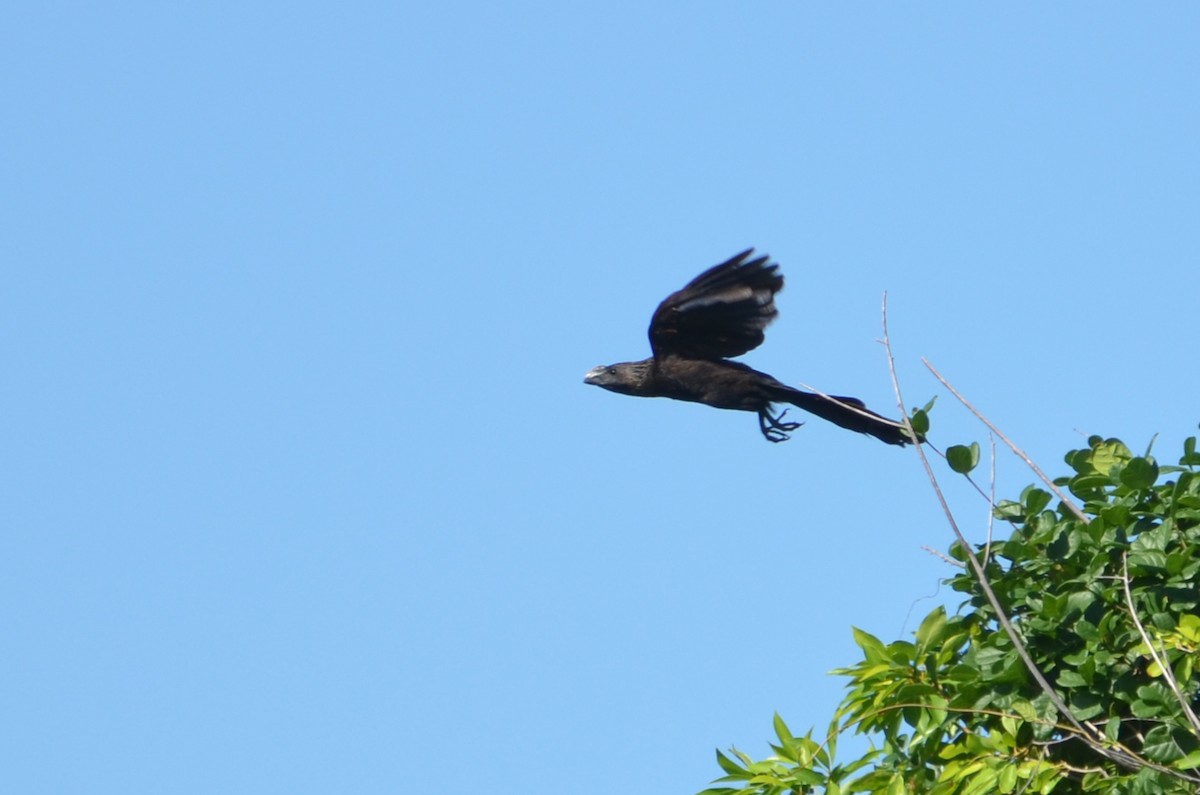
721 314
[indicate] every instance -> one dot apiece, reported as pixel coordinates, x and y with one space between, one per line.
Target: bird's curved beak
593 376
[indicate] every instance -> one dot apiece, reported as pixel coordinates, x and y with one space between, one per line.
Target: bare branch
942 556
1019 452
987 549
1089 733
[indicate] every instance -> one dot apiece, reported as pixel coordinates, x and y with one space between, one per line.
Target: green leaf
1007 509
1087 630
1086 705
929 634
1008 779
962 673
1035 500
872 647
1189 627
1139 473
1163 744
1152 700
920 422
729 766
1079 601
1080 461
1148 559
781 730
1025 710
806 777
963 458
982 782
1189 452
952 751
1108 454
1189 762
1071 679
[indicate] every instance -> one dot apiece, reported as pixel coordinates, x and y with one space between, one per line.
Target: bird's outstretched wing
719 314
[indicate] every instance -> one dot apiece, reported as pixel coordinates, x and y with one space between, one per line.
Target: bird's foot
777 422
774 429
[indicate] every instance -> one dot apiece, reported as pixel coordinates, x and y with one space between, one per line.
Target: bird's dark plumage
722 313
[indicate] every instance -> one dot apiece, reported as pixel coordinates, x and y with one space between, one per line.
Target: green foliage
1106 603
920 421
963 458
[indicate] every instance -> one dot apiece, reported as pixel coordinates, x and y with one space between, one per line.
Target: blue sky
302 491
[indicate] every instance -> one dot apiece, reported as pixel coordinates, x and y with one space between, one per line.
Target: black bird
720 314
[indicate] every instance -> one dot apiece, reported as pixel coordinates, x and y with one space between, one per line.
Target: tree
1072 666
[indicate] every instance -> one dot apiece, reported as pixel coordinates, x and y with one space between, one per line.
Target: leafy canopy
1104 598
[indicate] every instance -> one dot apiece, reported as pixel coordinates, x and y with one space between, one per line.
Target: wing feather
721 313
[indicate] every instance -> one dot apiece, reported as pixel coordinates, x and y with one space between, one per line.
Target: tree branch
1090 734
1019 452
1163 663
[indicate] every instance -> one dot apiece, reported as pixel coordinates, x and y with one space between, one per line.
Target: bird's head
623 377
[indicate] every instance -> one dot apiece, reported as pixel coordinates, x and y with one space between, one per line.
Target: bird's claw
773 428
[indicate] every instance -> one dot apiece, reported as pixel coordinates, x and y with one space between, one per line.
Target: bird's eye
612 371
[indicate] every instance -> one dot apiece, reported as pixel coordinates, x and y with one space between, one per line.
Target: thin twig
937 553
1163 663
987 549
1019 452
1090 734
1084 770
978 489
972 559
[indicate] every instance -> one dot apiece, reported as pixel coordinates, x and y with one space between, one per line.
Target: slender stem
987 550
1163 663
1091 735
1071 506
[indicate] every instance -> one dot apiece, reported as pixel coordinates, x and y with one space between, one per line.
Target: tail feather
850 413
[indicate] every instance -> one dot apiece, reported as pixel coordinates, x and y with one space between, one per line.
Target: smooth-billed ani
720 314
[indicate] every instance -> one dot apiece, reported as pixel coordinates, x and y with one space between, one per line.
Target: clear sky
302 491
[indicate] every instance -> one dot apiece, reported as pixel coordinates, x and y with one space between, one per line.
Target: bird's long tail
848 412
